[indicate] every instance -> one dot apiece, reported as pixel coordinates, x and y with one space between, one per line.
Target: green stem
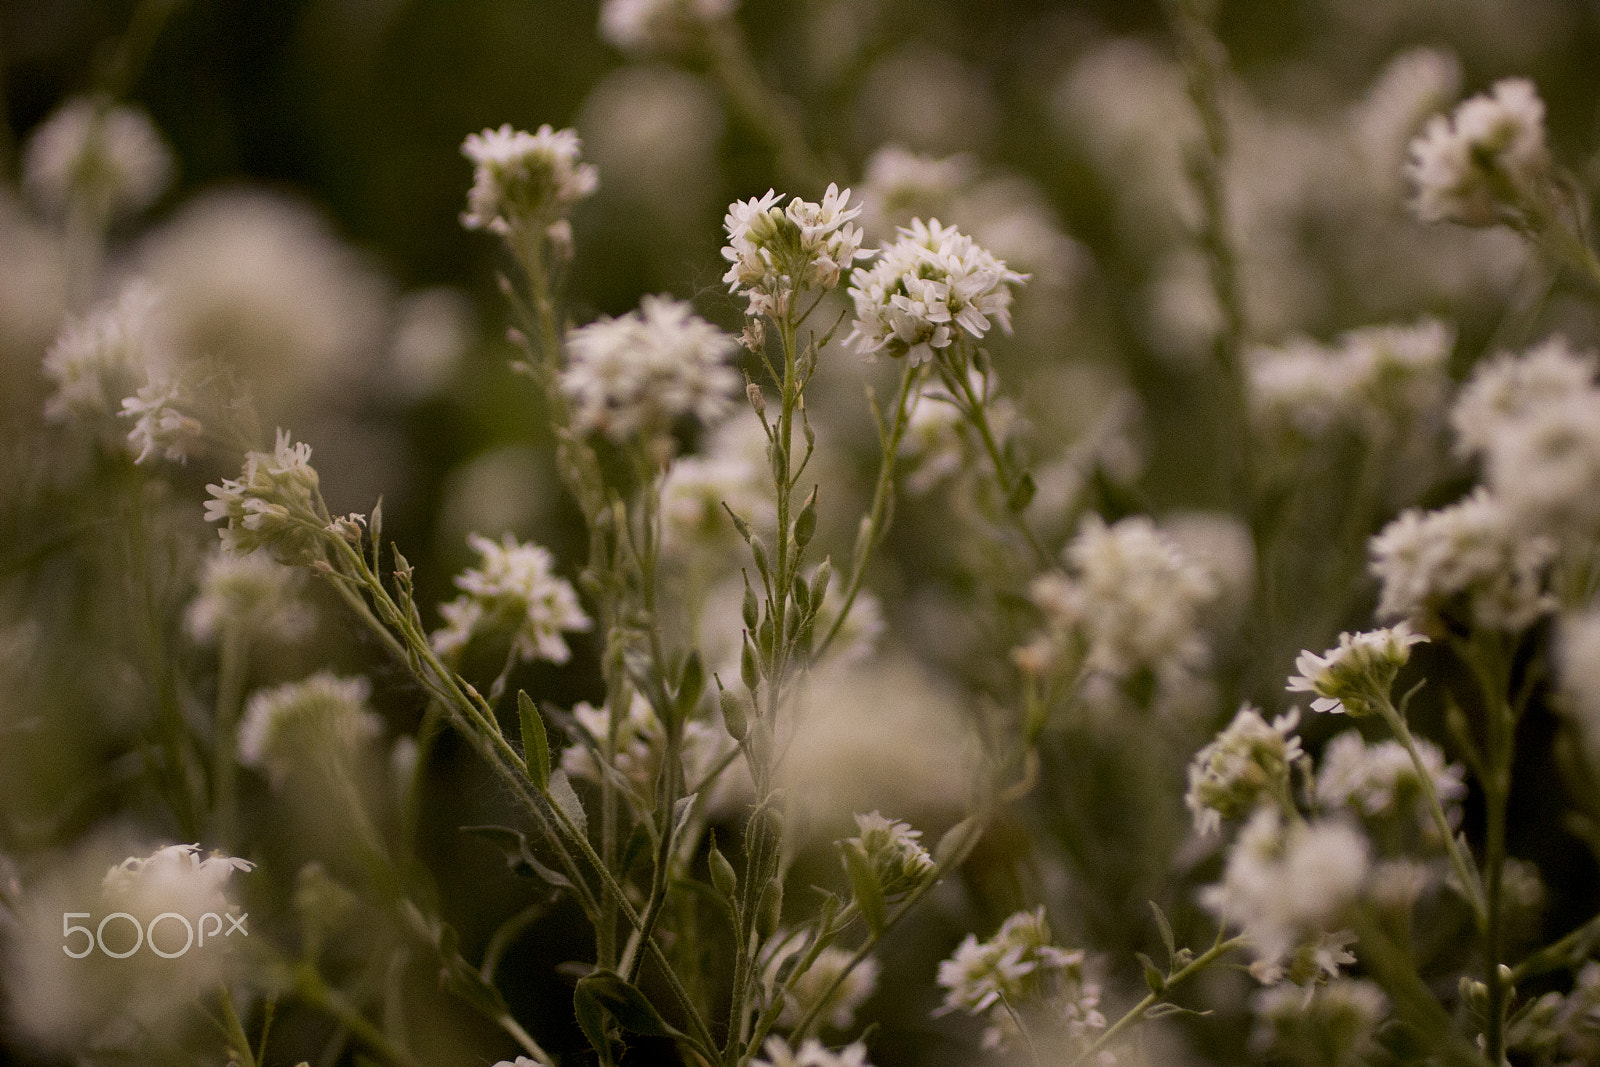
231 673
314 991
238 1040
974 407
734 71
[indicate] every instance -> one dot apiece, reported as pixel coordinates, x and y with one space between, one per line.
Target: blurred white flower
660 25
1340 1017
639 739
432 331
839 1009
252 594
108 157
1545 466
1380 780
1357 674
514 589
1509 388
1577 661
525 180
318 723
1248 763
161 426
1489 156
101 358
633 376
812 1053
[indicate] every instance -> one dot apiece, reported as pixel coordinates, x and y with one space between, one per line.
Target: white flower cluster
894 853
323 719
1370 380
106 156
812 1053
1248 763
1489 156
173 879
635 375
272 504
925 287
1019 970
1132 600
659 25
161 426
100 358
776 251
1473 550
1288 888
513 589
838 1010
1380 781
1356 676
252 595
1340 1017
525 180
1505 391
637 756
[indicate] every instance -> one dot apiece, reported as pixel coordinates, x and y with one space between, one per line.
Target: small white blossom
894 852
1288 889
1508 388
775 251
1545 466
253 594
175 879
1247 763
693 495
108 157
1490 154
513 589
812 1053
925 287
901 184
639 26
523 179
635 375
99 359
160 425
324 719
1472 549
1380 780
270 504
839 1009
1358 673
637 756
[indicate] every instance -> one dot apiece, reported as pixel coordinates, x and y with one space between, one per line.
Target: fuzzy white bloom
1577 658
1300 387
1490 154
894 853
861 630
635 375
1341 1016
99 359
160 425
637 756
659 25
776 251
270 504
839 1009
693 495
1288 889
175 879
1545 466
253 594
1247 763
927 286
515 589
812 1053
1358 673
1473 549
1509 388
323 719
900 185
1132 598
522 179
1380 780
1021 970
108 157
1412 86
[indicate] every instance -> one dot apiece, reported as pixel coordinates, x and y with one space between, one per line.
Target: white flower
1412 86
839 1010
812 1053
1020 970
1341 1016
1474 549
1545 466
775 252
1247 763
513 589
1380 780
901 184
160 426
175 879
635 375
1509 388
637 756
1288 889
323 719
1490 154
272 504
522 179
99 359
693 495
659 25
253 593
927 285
894 852
1358 673
108 157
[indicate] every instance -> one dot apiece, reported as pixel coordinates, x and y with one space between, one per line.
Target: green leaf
535 742
1021 494
864 885
631 1008
1152 974
519 856
566 798
592 1021
691 684
1166 931
954 841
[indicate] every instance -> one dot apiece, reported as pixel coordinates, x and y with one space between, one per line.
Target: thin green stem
753 100
975 408
310 987
238 1040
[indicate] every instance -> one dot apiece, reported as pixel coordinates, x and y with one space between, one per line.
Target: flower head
839 1008
1355 677
1489 155
635 375
925 288
273 504
1248 762
173 879
522 179
160 425
1380 780
1509 388
98 359
776 251
640 26
894 853
514 588
252 594
324 719
110 158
